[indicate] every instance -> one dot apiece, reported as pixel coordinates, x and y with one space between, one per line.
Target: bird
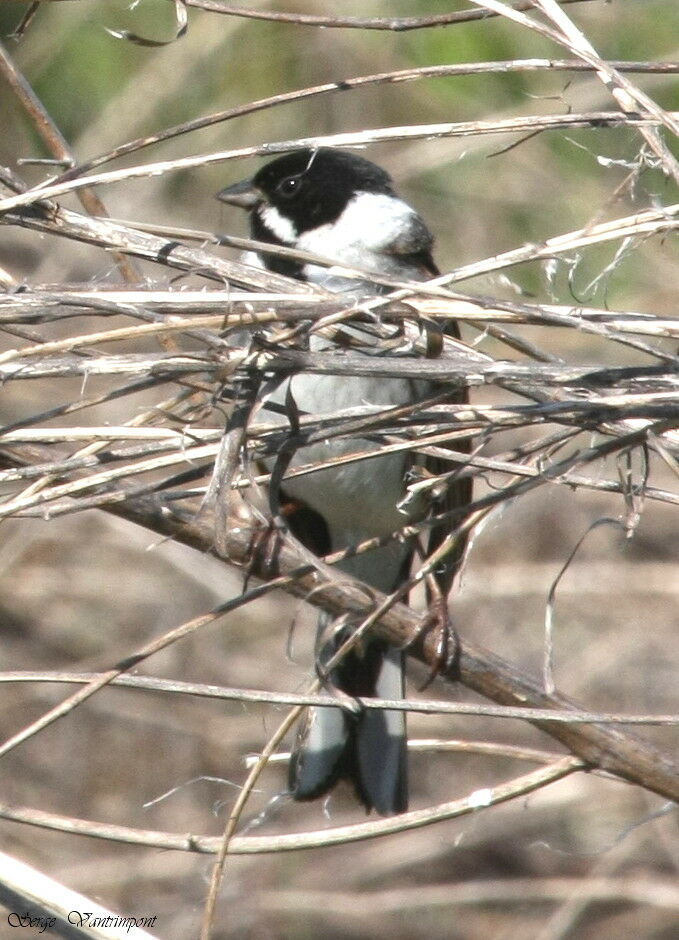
339 206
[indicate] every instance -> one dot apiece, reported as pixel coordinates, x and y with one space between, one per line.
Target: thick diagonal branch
601 746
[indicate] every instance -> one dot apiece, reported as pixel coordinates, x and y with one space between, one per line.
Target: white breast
357 500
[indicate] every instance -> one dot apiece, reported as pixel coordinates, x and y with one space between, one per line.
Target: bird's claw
447 650
263 552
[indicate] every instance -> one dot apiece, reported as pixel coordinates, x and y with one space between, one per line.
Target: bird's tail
367 748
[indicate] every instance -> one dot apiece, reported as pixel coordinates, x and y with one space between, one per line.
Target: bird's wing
459 493
413 246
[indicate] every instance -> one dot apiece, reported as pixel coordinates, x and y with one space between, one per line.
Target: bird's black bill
244 194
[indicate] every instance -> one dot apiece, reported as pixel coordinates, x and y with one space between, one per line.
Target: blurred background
79 592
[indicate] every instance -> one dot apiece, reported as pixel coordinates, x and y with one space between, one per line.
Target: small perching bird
341 207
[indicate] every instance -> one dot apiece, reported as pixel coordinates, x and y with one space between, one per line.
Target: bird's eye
289 187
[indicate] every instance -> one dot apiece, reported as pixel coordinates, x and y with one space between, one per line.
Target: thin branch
392 23
57 146
628 96
257 696
347 84
520 125
341 835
